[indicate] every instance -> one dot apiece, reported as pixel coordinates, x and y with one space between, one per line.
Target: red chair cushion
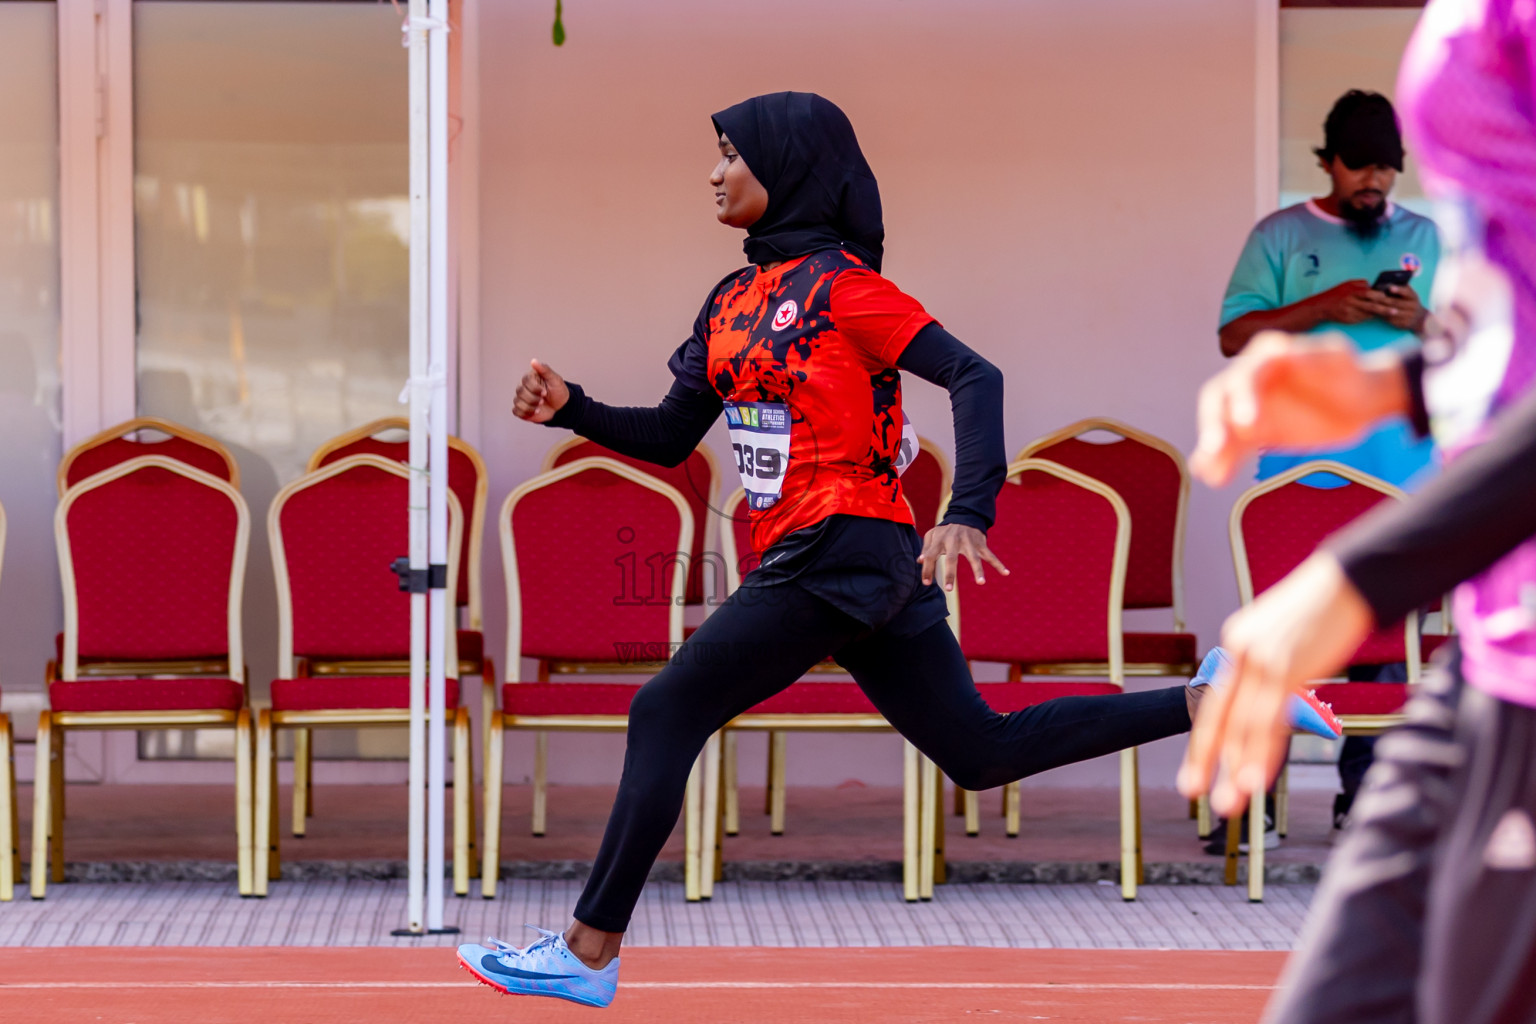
472 647
1429 643
1160 648
807 698
349 693
1017 696
923 485
195 694
567 698
1363 698
1149 481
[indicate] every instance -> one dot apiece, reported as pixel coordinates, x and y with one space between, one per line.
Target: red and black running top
818 336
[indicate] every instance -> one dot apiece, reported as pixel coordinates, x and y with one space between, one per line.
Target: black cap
1362 130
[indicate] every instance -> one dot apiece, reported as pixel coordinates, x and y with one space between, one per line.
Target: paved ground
778 914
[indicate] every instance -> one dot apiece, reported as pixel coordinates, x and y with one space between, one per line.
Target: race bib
906 454
760 439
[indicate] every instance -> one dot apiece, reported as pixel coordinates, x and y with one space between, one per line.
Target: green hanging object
559 26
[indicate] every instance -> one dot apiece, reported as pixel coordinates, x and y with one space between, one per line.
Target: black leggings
760 641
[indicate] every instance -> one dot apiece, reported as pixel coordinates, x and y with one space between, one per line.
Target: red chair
697 479
563 536
132 439
926 485
807 706
344 635
152 559
468 480
1066 539
1274 526
1149 474
10 844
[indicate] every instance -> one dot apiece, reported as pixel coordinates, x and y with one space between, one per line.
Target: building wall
1066 186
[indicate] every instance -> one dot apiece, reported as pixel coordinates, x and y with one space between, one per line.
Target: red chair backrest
335 533
926 485
694 478
1061 541
1279 528
466 480
590 551
153 558
119 444
739 525
1151 482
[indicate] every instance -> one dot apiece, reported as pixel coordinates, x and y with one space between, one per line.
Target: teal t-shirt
1299 251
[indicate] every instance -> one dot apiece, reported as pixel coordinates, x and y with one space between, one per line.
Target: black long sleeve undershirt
1405 555
975 389
667 433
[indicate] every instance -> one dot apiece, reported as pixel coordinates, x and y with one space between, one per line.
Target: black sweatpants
1427 911
760 641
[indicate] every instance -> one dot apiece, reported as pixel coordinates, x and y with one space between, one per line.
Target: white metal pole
437 454
419 283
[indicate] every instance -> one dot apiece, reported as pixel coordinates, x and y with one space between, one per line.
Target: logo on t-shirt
786 315
1314 265
1412 263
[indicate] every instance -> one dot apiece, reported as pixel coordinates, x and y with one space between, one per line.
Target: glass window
1324 53
29 337
271 199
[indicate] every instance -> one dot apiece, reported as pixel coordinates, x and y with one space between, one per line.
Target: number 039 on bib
760 441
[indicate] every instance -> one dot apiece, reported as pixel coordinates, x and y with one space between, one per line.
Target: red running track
292 985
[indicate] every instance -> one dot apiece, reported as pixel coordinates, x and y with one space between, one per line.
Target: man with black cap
1316 268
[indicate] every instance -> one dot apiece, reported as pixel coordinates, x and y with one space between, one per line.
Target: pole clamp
419 581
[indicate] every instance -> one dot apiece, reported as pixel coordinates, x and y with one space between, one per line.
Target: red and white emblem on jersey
1412 263
786 315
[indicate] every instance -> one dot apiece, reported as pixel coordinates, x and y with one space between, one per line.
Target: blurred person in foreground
1425 913
1313 268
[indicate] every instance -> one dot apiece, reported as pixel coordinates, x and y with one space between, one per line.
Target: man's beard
1364 221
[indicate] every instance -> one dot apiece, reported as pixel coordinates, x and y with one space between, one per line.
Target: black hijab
821 192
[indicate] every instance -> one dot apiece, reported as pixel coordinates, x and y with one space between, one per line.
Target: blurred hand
540 394
1351 303
950 540
1303 628
1408 313
1291 390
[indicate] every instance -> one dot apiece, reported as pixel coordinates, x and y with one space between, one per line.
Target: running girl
801 351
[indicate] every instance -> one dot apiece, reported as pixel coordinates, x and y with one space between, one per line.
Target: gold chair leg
301 772
1283 799
487 705
731 784
540 782
42 804
15 819
1234 833
490 845
244 850
1203 823
261 814
1256 849
927 820
709 836
463 801
56 832
911 814
972 813
959 801
1194 809
940 864
7 807
773 752
692 815
778 743
1011 810
1130 826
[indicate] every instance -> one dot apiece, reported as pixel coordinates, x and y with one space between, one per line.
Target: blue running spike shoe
1307 712
546 968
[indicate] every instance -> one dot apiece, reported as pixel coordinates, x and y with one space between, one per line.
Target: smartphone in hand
1391 277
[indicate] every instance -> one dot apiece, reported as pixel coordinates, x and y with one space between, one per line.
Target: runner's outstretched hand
947 541
1292 390
540 394
1303 628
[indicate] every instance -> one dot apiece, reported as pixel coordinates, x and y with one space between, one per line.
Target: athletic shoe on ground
546 968
1342 802
1307 712
1217 847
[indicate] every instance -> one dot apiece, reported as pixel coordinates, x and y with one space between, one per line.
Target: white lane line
629 985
